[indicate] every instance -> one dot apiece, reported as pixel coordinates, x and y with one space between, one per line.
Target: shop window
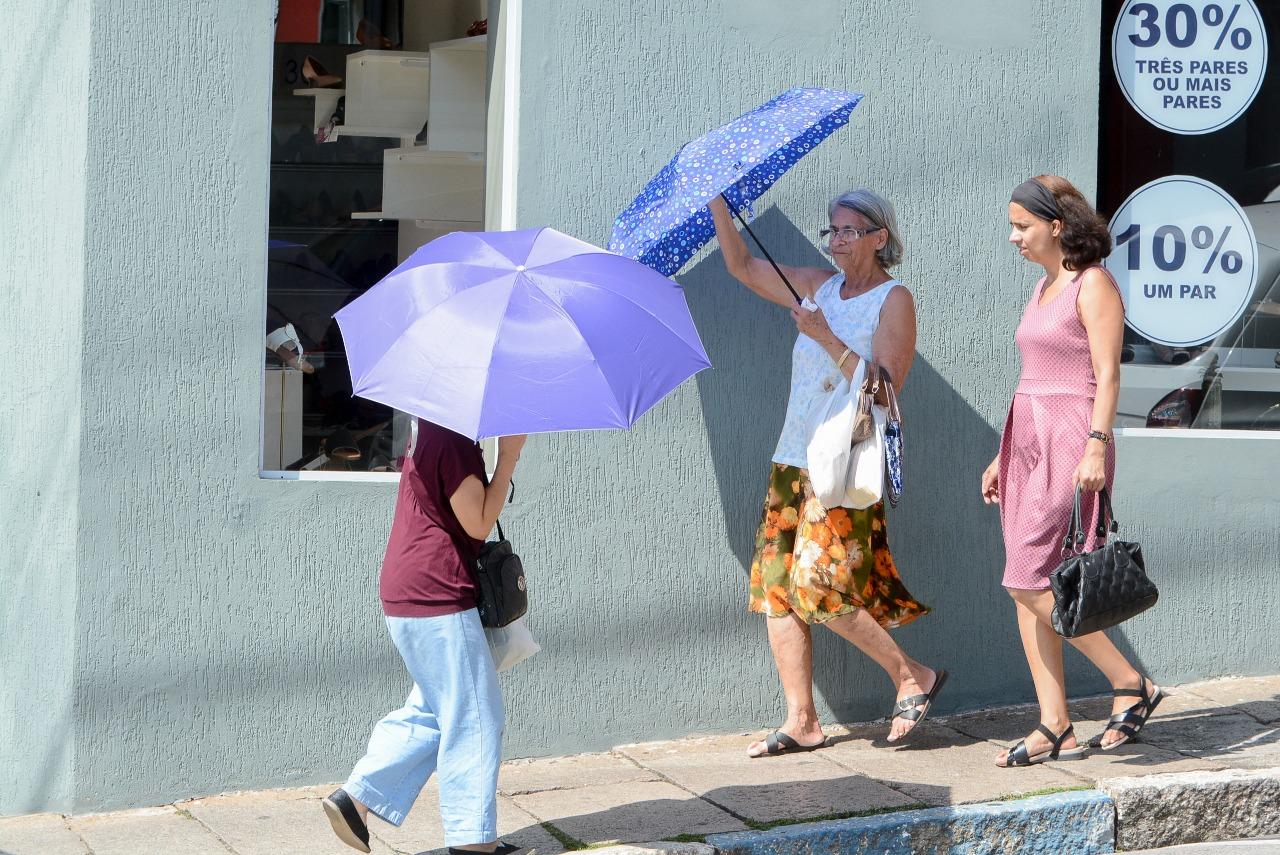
378 132
1224 375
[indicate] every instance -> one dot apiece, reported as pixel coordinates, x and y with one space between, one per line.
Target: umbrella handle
778 269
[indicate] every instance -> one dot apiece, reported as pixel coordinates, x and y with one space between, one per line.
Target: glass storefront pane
1230 380
352 93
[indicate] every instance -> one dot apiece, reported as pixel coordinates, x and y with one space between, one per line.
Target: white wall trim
512 36
1188 433
362 477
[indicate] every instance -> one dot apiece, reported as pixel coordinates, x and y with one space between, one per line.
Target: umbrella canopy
669 221
497 333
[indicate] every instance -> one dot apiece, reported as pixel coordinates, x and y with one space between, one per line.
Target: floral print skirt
821 563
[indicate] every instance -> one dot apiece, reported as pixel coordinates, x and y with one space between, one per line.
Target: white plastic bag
511 644
829 428
864 484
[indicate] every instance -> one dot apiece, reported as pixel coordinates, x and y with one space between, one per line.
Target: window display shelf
384 132
442 226
430 186
326 101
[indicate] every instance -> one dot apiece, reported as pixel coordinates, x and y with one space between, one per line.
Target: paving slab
421 832
164 829
1235 739
1193 807
39 834
764 789
583 770
627 813
272 822
940 766
1255 696
1151 754
1178 700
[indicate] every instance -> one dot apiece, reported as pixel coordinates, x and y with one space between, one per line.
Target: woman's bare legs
792 644
1043 649
909 676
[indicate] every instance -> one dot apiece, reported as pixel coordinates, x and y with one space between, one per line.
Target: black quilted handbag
501 593
1099 589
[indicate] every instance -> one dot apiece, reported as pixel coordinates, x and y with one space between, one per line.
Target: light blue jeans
452 722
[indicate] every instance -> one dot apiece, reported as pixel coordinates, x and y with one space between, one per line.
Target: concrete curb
1081 822
1194 807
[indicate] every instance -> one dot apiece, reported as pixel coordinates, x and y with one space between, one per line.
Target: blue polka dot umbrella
669 221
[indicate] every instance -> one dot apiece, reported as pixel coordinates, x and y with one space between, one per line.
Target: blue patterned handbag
892 444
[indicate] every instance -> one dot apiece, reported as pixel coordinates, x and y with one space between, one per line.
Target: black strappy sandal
1130 722
1019 756
907 707
782 743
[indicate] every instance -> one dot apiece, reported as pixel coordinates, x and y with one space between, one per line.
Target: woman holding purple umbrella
832 566
453 719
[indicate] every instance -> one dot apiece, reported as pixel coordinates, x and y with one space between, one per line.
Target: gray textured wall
43 137
225 629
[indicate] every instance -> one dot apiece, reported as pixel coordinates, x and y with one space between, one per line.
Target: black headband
1037 199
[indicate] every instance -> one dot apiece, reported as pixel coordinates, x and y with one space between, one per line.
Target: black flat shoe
503 849
346 821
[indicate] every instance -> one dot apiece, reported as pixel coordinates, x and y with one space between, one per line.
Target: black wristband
1100 436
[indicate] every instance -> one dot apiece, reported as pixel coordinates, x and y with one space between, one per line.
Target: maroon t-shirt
426 571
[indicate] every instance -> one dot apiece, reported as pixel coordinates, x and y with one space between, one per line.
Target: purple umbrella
497 333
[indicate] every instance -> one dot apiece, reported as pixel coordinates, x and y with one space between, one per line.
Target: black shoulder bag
501 593
1099 589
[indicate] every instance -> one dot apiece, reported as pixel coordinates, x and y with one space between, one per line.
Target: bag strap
891 396
1074 541
511 498
871 380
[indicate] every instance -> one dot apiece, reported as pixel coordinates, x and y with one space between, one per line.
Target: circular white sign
1186 260
1189 68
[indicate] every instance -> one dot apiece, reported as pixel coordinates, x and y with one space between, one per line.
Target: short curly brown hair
1085 237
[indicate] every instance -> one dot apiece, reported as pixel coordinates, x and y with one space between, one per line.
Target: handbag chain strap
1074 541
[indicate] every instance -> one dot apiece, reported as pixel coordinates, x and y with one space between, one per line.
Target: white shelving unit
385 93
456 100
433 189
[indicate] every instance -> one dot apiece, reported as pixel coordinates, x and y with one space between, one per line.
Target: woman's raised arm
758 274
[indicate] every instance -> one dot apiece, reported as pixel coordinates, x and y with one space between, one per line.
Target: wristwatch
1105 439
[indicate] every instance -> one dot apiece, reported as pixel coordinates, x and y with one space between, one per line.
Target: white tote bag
829 427
864 483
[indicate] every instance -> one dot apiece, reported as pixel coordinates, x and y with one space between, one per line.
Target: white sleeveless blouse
854 321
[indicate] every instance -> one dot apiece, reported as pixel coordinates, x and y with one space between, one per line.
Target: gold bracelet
847 353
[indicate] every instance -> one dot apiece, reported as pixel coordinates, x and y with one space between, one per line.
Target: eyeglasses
833 233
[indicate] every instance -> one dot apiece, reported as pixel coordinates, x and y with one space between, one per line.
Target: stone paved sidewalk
685 789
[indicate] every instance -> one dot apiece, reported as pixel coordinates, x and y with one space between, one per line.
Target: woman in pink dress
1057 436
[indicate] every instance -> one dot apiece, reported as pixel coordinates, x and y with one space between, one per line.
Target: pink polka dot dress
1045 437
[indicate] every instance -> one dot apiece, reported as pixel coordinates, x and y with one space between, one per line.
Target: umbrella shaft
781 275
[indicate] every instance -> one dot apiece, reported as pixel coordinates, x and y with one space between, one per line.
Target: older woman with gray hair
819 565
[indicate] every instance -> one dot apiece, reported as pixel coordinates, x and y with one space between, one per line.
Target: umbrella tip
520 268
